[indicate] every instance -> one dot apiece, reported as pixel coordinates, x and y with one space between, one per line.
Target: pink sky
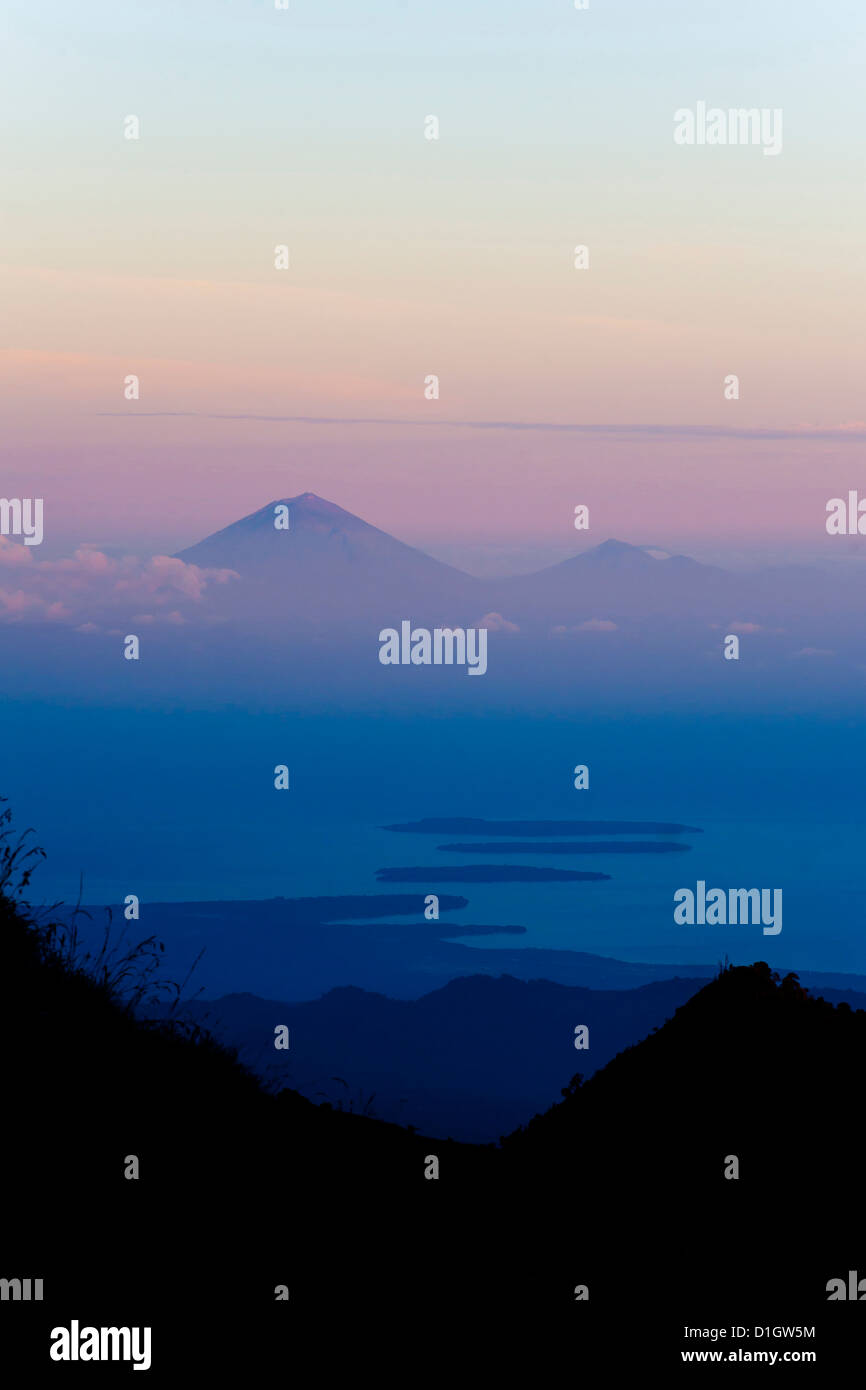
481 498
454 258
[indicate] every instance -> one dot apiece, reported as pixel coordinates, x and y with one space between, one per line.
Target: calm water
176 805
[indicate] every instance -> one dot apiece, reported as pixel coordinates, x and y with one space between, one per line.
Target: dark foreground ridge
620 1186
504 1048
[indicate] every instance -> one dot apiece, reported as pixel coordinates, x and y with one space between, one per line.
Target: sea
178 804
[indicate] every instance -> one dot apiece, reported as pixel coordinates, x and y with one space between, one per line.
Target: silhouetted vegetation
622 1181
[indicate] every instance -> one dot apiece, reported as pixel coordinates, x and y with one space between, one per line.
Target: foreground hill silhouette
472 1060
619 1186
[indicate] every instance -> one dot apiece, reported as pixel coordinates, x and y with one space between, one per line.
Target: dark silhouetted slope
619 1186
503 1049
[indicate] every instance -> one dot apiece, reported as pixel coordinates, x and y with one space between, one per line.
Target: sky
453 257
411 257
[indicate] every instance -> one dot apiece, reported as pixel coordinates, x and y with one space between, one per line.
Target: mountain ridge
326 571
504 1046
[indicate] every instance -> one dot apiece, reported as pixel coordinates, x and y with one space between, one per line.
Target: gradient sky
454 257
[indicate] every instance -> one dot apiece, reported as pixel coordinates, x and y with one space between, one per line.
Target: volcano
329 567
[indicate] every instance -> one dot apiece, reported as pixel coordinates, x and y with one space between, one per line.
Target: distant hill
472 1060
618 582
306 946
620 1187
614 580
473 825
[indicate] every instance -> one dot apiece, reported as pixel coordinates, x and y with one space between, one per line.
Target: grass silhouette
255 1188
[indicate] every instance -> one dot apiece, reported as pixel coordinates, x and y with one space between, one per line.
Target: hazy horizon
453 256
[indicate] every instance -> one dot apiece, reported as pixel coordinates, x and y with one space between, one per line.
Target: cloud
590 625
15 603
90 587
494 622
174 619
813 651
14 554
745 627
854 431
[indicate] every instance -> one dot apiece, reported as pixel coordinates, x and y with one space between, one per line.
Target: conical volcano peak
309 506
308 557
311 501
304 514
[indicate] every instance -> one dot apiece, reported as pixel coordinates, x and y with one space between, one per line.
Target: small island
484 873
462 825
569 847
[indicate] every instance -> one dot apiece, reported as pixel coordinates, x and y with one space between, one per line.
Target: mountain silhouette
733 1072
617 581
728 1139
306 946
620 1186
330 567
504 1047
